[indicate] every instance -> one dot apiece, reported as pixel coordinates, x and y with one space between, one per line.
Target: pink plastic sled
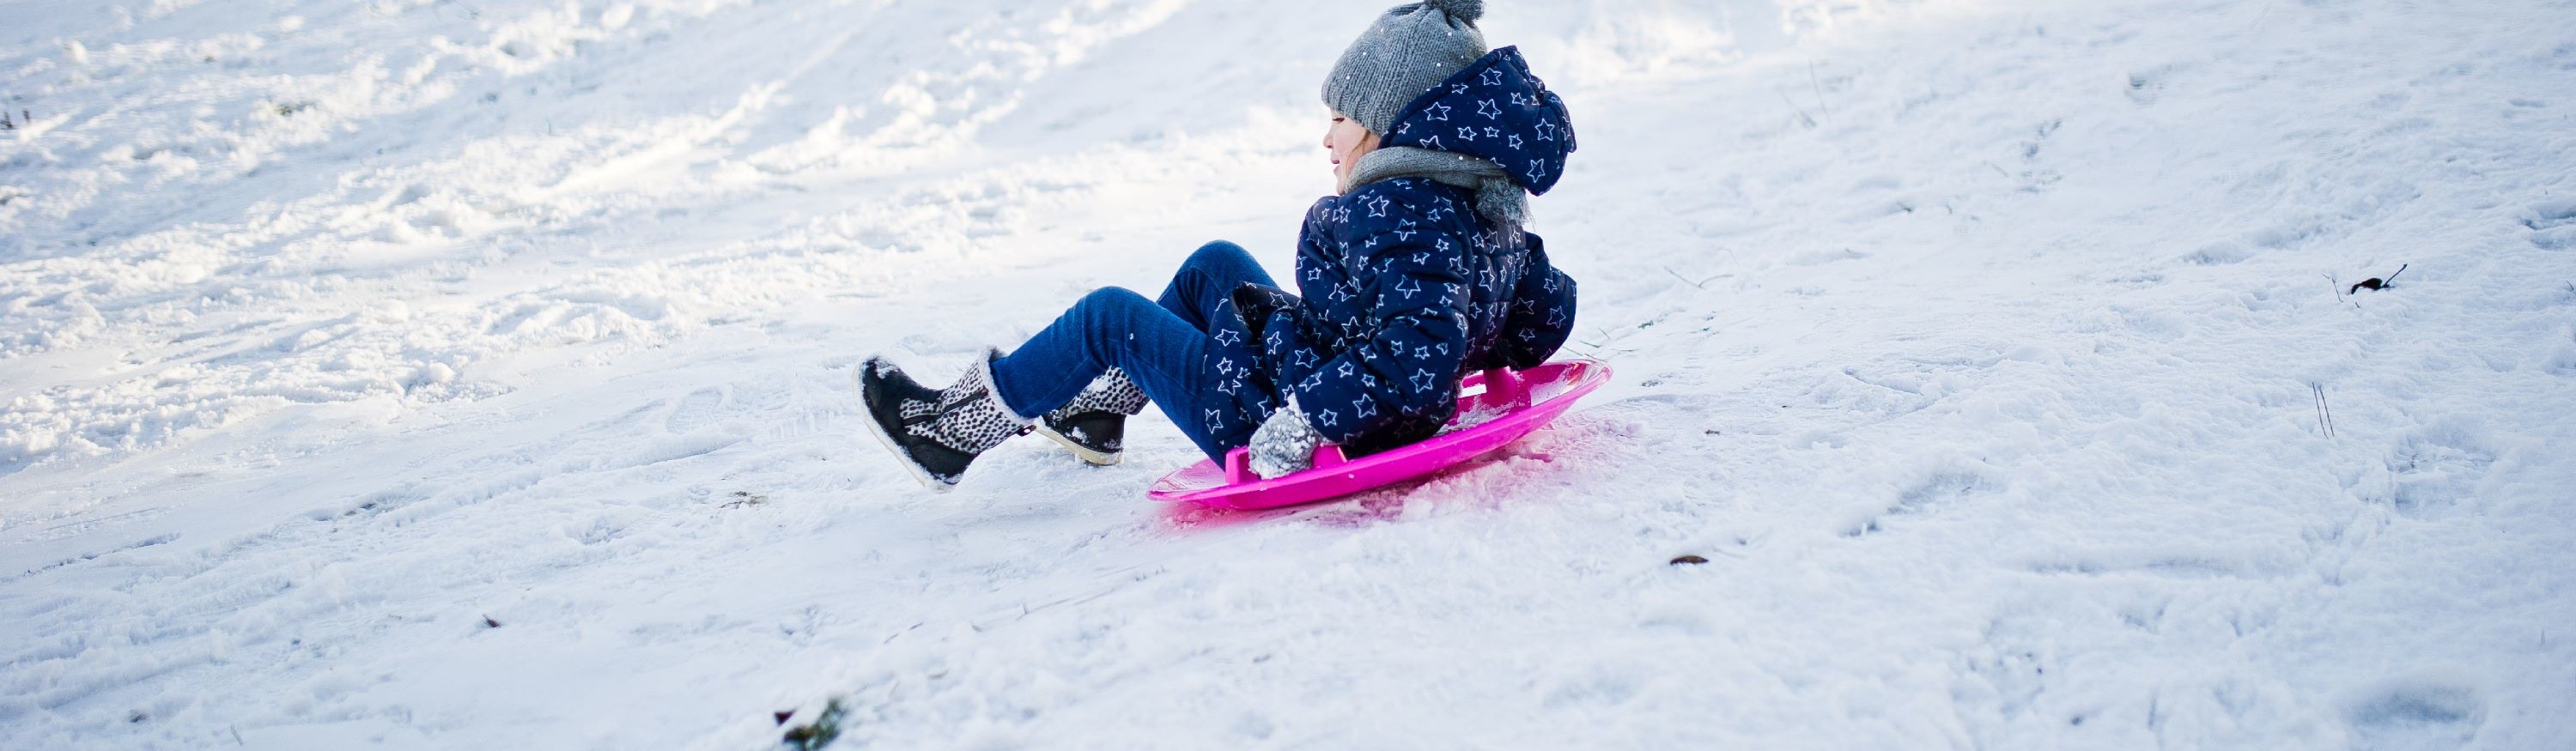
1495 407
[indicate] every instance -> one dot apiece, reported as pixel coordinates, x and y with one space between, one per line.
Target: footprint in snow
696 410
2435 469
2552 224
1925 495
2415 715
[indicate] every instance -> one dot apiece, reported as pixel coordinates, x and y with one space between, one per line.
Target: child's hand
1285 443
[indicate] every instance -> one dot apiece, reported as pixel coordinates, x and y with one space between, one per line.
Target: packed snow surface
456 374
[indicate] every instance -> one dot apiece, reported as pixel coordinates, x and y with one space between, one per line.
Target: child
1415 274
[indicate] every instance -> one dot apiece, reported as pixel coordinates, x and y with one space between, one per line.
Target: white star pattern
1378 207
1466 133
1327 419
1228 336
1363 409
1421 380
1487 108
1491 78
1512 141
1436 112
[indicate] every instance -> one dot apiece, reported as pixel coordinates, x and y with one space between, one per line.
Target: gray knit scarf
1498 199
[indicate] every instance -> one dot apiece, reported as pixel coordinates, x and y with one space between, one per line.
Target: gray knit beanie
1409 50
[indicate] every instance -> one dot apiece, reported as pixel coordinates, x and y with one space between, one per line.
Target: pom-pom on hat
1410 49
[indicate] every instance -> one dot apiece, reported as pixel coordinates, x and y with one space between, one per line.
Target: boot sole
1088 456
859 378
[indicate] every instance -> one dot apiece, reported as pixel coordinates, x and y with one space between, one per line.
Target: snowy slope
1983 349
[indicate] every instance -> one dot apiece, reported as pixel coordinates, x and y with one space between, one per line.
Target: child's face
1347 140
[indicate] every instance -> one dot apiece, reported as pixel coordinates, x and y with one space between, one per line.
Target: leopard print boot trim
969 416
1111 392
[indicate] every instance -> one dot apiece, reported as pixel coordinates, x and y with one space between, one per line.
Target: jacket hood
1497 110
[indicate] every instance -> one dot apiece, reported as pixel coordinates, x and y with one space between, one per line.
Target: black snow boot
1095 422
936 433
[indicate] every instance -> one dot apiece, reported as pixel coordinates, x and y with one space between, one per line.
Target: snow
1984 349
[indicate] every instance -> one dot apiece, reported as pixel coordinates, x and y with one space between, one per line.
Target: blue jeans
1160 343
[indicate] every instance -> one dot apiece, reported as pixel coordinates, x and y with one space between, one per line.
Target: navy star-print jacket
1402 288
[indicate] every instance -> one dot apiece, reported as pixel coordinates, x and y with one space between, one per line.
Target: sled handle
1503 385
1238 463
